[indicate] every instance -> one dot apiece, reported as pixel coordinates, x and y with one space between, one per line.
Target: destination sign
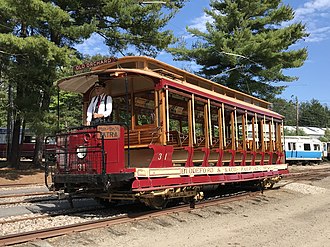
95 63
108 131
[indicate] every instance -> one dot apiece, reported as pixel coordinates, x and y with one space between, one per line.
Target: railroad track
26 194
53 214
27 198
19 185
131 217
309 174
126 218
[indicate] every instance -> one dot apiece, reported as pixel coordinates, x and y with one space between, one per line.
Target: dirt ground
296 215
26 175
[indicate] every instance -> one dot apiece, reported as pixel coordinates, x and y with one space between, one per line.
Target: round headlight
81 152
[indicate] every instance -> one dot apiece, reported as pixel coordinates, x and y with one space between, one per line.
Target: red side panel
114 153
162 156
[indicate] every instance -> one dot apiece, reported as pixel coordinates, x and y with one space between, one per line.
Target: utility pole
297 116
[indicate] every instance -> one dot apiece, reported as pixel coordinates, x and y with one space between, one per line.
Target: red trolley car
171 134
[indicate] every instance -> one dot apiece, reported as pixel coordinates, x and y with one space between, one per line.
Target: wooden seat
215 142
143 136
177 139
200 141
173 138
184 140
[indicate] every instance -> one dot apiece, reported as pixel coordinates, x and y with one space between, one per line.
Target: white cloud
316 15
92 46
319 34
313 7
200 22
317 4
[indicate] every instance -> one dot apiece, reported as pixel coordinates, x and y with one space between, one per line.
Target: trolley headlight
81 152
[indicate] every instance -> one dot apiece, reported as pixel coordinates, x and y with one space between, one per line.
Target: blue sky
314 75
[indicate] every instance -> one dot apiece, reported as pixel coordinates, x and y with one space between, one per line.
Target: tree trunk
10 122
15 153
39 147
38 151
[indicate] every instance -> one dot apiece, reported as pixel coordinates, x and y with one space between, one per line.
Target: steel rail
27 194
89 225
20 185
71 212
307 173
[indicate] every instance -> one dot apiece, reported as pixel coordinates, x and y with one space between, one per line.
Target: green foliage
246 47
70 106
127 26
314 114
3 105
286 109
294 132
310 113
326 137
36 39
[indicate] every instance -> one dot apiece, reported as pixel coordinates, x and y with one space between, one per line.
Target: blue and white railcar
324 150
303 149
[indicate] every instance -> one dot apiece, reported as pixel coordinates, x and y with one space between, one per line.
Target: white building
310 131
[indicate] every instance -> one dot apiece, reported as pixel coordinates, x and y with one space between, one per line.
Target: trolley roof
151 67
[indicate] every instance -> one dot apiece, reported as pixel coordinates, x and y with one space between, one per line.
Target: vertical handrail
58 109
127 124
220 129
66 153
236 128
224 125
247 130
210 121
167 113
257 132
193 118
103 155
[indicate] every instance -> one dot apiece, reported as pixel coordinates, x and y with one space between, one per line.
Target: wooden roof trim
184 74
220 97
86 84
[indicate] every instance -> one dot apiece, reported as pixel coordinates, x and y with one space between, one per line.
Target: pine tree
286 109
314 114
247 45
34 58
37 39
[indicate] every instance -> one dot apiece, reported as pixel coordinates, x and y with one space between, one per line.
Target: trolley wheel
105 202
157 202
70 200
192 203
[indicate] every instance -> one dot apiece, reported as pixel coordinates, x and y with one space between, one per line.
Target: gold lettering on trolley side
108 131
192 171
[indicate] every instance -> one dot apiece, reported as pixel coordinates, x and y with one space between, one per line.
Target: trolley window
144 108
292 146
317 147
307 146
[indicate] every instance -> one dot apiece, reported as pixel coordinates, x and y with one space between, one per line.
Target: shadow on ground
26 168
